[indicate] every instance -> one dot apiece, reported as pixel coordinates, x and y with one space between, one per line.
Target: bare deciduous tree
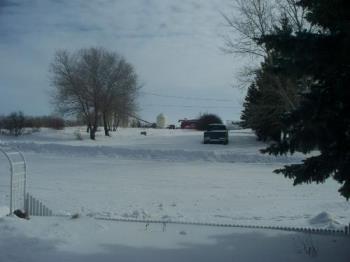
119 93
70 94
251 20
94 83
295 14
248 21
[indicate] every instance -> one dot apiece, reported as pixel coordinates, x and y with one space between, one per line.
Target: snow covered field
166 175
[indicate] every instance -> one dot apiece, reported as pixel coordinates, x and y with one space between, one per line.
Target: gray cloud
176 9
7 3
174 48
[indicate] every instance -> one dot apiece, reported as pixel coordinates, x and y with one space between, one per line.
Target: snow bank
159 144
325 220
176 155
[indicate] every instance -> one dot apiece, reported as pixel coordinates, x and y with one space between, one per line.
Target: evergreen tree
249 106
273 93
263 108
322 121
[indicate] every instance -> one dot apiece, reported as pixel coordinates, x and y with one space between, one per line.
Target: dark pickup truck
216 133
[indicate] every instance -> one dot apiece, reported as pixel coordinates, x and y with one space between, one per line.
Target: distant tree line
96 85
298 98
16 122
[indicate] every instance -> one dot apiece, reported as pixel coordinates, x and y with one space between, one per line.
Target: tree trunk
105 124
93 127
93 133
109 125
88 128
116 123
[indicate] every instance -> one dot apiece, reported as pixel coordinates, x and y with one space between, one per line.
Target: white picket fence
35 207
344 232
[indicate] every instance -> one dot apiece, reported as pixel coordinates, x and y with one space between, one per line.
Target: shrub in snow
14 123
207 119
18 124
55 123
75 216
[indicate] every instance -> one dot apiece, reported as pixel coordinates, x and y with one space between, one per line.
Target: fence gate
18 169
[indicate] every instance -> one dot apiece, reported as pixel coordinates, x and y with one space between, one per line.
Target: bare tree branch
248 21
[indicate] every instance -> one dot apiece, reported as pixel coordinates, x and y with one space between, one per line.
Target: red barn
188 124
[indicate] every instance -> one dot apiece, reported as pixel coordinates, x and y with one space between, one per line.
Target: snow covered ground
166 175
85 239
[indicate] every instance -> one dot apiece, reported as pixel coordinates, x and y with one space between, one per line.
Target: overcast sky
173 45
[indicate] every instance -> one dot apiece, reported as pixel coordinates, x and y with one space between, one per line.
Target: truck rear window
218 127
